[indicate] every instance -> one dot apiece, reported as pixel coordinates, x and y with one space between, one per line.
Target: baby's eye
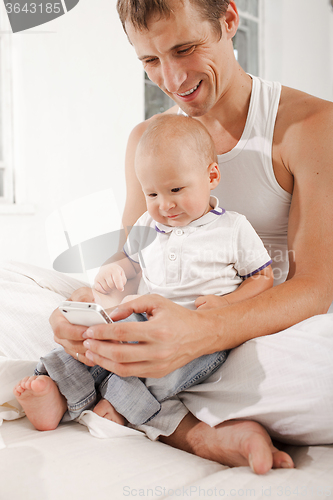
152 195
176 190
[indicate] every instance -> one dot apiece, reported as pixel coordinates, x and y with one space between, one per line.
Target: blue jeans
81 385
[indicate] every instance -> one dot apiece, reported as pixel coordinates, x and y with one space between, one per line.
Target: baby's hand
84 294
210 302
109 277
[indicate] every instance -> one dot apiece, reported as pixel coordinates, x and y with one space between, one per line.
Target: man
186 49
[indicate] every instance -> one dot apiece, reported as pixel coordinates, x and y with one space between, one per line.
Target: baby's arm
252 286
116 274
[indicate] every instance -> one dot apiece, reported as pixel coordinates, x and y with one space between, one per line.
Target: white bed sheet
71 463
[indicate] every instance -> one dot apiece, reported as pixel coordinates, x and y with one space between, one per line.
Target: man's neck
226 120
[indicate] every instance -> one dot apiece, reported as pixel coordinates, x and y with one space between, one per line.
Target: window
246 44
246 40
6 171
156 101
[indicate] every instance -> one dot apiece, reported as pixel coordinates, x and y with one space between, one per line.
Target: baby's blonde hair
166 132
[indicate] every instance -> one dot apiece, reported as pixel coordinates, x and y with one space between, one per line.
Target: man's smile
189 92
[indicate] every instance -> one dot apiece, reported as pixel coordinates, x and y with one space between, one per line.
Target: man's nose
174 75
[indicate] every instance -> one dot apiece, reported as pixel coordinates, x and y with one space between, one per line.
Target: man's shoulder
299 108
303 122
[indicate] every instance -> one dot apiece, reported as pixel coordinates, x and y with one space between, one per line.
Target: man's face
184 56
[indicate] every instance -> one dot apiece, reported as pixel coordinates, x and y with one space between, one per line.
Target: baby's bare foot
41 400
105 409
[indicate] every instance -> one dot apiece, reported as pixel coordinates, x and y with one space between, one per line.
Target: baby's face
177 192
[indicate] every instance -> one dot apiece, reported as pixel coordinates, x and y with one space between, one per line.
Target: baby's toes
21 386
17 391
27 382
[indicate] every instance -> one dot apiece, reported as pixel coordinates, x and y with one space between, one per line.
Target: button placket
173 254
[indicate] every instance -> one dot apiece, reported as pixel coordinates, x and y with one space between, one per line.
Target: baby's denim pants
83 385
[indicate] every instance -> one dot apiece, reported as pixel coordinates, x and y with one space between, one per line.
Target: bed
93 457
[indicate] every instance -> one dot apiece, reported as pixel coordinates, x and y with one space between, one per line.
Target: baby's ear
214 174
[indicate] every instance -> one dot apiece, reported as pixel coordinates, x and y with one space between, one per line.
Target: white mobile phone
84 313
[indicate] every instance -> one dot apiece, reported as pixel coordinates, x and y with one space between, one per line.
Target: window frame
6 119
259 21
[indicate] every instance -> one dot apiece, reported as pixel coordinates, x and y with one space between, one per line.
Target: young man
275 147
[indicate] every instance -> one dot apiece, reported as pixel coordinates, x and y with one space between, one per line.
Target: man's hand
68 335
170 338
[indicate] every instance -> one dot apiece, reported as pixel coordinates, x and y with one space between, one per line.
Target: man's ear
214 175
231 20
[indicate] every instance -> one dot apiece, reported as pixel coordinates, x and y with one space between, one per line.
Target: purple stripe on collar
159 230
218 213
257 270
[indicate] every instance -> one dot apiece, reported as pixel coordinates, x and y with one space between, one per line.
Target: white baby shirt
211 255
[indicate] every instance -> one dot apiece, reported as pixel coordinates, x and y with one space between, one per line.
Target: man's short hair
138 12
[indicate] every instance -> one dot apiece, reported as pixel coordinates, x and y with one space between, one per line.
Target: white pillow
283 381
11 372
28 295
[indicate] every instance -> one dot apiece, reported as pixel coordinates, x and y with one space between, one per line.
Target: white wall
78 91
298 41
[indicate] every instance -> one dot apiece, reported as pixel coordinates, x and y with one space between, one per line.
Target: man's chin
193 110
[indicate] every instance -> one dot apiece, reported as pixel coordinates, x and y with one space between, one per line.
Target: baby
199 254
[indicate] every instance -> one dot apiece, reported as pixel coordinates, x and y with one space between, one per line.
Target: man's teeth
190 91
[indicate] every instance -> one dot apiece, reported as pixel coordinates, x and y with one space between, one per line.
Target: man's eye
150 61
176 190
186 51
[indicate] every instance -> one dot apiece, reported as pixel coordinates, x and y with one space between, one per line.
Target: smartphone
84 313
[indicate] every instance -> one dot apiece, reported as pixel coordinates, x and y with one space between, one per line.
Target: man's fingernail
286 465
88 334
251 462
89 355
86 344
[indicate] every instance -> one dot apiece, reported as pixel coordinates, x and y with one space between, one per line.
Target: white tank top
248 184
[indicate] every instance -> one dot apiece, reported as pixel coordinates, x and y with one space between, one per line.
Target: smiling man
275 152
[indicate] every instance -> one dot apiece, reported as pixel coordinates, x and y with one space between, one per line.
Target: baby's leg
41 400
105 409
